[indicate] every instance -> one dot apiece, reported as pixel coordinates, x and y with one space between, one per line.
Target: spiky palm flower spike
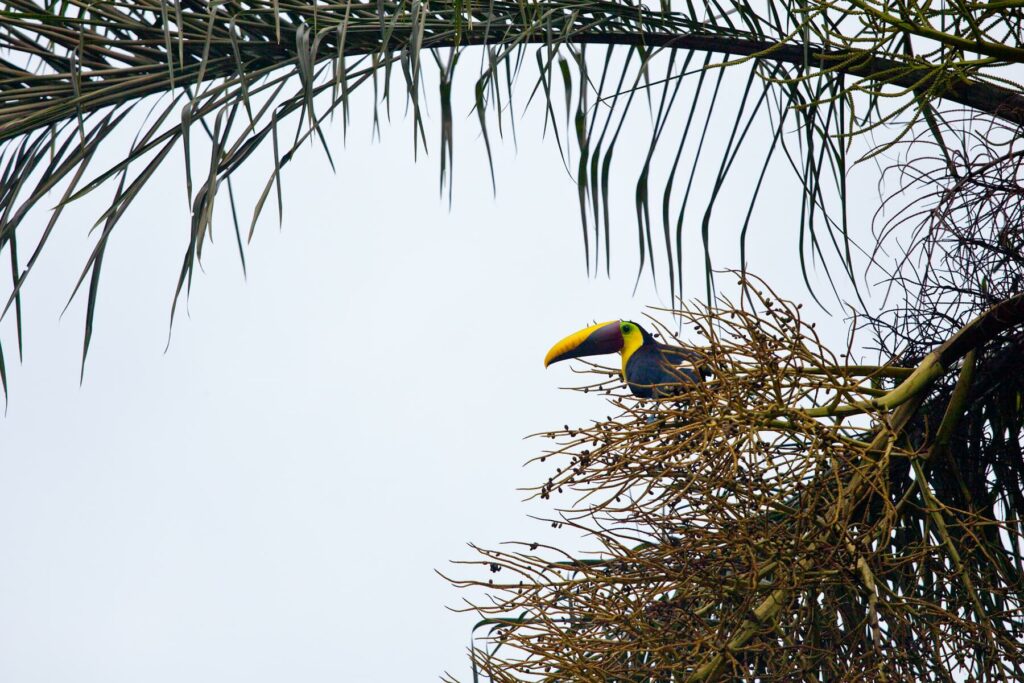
765 527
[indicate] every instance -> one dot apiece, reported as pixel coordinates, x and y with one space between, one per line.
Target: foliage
231 72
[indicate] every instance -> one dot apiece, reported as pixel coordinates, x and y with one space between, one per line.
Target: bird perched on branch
651 369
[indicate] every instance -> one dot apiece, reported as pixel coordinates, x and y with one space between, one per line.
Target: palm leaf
71 73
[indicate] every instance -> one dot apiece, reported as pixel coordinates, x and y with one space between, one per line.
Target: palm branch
795 518
235 72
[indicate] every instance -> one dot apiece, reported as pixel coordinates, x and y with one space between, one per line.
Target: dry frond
764 527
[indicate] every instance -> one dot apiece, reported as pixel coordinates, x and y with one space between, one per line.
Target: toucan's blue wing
658 370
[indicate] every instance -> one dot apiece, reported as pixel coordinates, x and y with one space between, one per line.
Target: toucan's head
610 337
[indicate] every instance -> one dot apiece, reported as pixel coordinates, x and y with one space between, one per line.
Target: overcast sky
270 498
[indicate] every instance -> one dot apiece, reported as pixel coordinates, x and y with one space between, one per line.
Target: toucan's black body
651 369
658 370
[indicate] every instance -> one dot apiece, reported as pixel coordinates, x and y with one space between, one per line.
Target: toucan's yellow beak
592 341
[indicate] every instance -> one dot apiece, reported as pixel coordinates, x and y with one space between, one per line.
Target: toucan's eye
626 328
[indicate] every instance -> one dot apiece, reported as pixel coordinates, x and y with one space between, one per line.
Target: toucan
651 369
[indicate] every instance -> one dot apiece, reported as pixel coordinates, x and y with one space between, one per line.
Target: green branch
972 336
31 101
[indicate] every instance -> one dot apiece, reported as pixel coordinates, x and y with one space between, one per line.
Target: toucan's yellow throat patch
632 339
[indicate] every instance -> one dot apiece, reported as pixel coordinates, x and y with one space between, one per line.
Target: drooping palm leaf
71 73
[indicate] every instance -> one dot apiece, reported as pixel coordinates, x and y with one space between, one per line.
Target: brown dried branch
744 532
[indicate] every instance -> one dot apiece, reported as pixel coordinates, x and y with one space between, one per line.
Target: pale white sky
270 499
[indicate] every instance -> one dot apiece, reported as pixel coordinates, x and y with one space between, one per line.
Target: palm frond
240 71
